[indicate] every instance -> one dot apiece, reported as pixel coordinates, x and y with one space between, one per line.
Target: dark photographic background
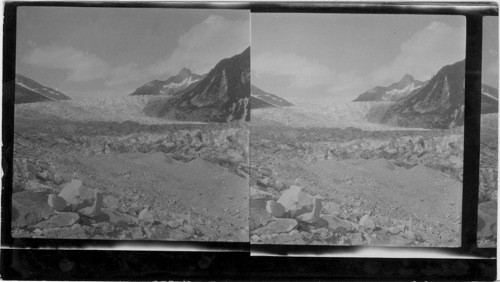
65 264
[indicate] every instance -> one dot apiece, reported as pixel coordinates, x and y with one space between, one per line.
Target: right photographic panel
488 170
357 129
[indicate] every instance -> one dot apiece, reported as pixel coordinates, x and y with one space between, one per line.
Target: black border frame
237 264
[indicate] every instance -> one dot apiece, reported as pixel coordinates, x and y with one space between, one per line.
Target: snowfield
339 115
119 109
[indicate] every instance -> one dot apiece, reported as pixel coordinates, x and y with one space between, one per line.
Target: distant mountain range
28 91
222 95
395 92
262 99
172 86
440 102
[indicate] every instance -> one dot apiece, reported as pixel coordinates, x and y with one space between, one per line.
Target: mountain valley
385 170
101 169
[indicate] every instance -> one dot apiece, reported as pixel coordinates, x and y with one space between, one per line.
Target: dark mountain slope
28 91
221 96
438 104
262 99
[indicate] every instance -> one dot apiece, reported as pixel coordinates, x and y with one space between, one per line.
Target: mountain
28 91
262 99
438 104
171 86
441 102
221 96
394 92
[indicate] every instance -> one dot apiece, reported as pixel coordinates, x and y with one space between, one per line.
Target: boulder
110 201
61 219
281 225
95 209
57 178
56 202
367 222
29 208
130 210
258 218
188 228
312 217
276 209
296 201
352 217
137 233
44 175
333 223
77 196
264 182
356 238
148 232
410 235
115 218
146 216
173 224
279 185
394 230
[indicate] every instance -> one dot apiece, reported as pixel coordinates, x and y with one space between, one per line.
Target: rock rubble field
352 187
129 181
488 182
79 177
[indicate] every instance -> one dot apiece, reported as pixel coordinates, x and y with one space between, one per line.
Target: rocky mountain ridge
221 96
395 92
440 103
172 86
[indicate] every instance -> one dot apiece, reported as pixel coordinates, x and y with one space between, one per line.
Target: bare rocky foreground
353 187
125 180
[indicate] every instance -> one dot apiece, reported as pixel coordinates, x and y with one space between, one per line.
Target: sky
490 51
101 52
330 58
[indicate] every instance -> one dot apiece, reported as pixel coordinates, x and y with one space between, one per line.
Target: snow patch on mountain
168 88
35 90
401 92
173 85
394 92
489 95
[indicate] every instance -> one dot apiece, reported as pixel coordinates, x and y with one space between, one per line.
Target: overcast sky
490 51
97 52
335 57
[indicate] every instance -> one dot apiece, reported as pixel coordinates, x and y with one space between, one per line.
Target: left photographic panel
131 124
